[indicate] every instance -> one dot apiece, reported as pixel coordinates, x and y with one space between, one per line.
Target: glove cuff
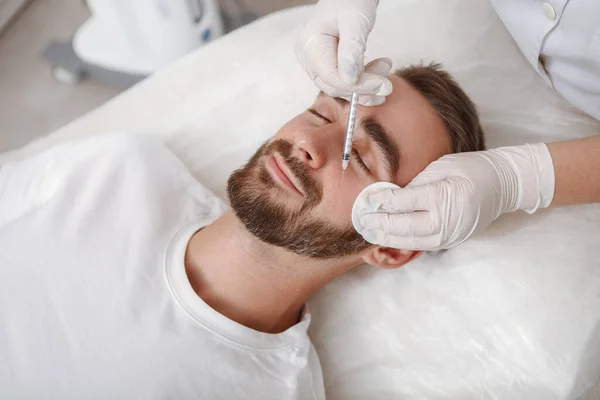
540 186
527 176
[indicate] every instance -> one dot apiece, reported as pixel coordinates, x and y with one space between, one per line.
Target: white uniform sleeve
561 40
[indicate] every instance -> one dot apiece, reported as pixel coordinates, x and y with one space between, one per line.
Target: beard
251 191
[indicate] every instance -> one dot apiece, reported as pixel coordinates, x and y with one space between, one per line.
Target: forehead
415 126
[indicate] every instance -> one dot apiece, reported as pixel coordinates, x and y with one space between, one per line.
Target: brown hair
450 102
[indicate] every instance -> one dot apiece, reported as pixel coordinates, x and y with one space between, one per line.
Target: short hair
451 103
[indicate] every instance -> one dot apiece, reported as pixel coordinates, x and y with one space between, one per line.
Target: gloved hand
331 49
454 197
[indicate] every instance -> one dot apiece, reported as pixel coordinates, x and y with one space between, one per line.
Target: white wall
8 9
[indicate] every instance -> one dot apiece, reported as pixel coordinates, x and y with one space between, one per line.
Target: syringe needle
350 131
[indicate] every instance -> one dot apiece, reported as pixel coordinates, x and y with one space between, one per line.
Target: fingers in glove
354 28
406 200
437 171
351 59
318 56
380 66
424 243
368 84
403 224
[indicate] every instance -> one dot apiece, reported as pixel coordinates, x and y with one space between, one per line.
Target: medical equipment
349 132
125 41
511 314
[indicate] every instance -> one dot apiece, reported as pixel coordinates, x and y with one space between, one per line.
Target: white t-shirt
94 298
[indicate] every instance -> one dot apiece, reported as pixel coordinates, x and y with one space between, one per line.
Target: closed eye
314 112
360 162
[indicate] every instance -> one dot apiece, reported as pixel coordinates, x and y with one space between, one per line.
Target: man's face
291 193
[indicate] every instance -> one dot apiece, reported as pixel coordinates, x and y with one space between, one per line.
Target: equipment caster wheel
64 76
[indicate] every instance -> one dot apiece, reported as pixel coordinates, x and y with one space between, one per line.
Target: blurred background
43 86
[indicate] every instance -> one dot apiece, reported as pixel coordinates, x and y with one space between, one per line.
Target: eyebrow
389 148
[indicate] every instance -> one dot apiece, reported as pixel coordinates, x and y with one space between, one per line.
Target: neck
257 285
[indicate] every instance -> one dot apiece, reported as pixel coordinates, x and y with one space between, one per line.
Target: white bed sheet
512 314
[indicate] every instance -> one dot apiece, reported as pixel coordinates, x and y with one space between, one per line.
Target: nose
317 147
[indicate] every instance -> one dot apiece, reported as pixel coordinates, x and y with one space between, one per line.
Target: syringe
350 132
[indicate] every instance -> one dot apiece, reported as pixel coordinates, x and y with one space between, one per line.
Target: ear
389 258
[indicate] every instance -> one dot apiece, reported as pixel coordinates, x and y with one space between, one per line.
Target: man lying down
122 277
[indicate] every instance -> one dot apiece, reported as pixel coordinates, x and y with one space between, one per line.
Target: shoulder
110 162
126 146
108 147
116 152
144 164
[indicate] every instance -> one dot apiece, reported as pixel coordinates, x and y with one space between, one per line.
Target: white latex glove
454 197
331 49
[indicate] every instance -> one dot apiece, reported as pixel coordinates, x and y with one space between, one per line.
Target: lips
278 169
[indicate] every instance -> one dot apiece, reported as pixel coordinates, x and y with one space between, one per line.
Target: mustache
309 186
